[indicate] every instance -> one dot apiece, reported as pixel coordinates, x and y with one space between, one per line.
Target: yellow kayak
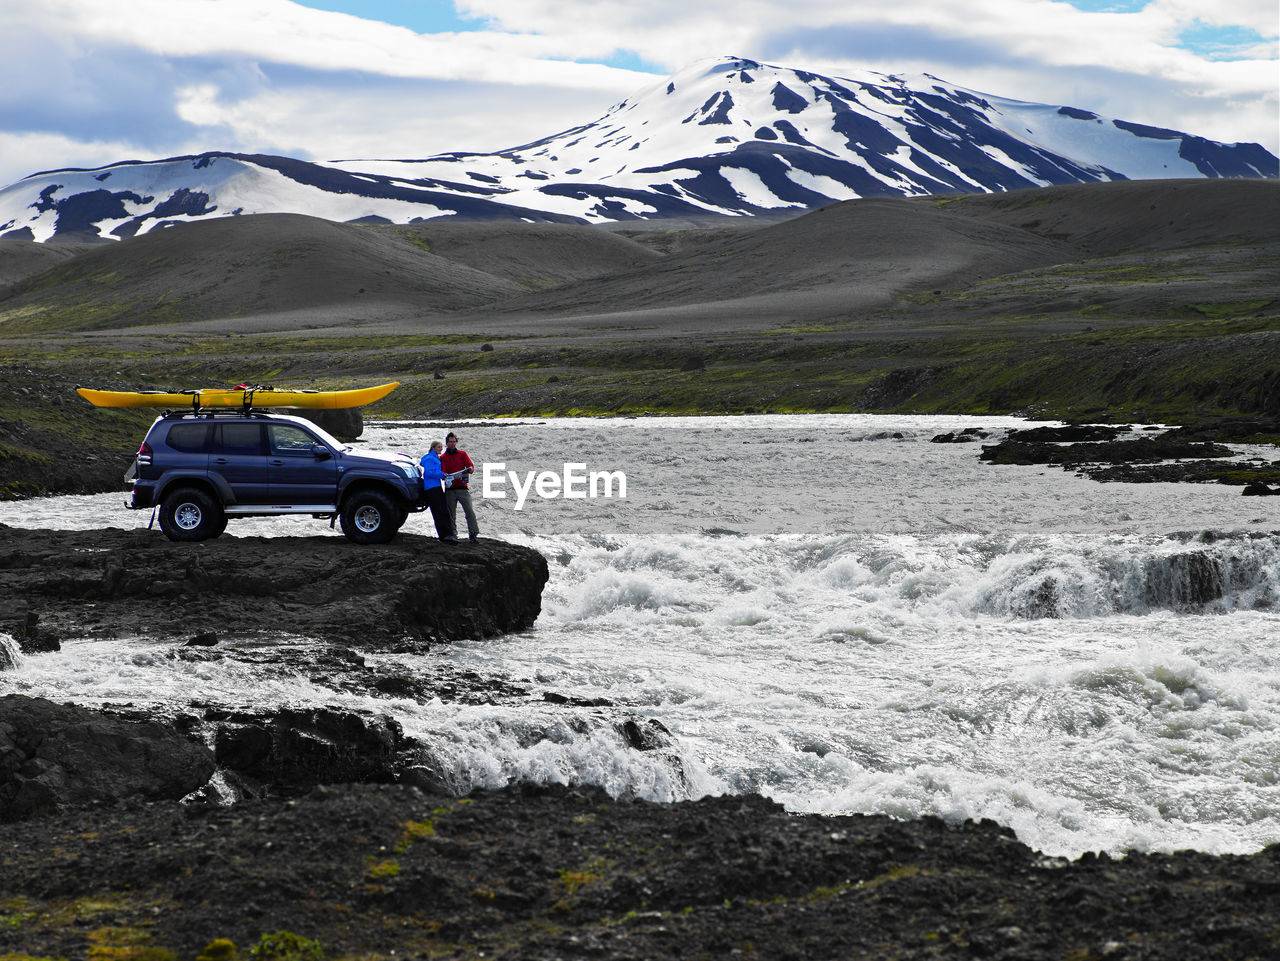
238 397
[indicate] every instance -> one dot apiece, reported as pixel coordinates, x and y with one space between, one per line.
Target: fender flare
399 488
214 481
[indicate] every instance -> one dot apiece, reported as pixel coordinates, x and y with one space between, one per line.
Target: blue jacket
432 472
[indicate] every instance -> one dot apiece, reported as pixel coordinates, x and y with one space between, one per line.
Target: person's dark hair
451 434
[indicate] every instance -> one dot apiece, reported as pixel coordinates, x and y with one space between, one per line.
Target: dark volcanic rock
1071 433
536 874
966 436
108 582
1229 429
1142 450
1180 455
1259 489
31 636
292 751
54 756
1186 471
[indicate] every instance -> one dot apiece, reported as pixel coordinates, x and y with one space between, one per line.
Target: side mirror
321 452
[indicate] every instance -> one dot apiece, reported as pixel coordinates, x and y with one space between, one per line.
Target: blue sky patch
1220 43
1202 39
1109 6
420 16
440 16
628 60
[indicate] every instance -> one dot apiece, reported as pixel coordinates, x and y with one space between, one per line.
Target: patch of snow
823 185
748 185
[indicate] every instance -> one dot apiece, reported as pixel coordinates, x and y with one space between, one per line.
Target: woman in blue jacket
433 493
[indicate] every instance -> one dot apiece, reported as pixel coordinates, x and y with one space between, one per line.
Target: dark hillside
20 259
855 255
865 255
243 265
1145 215
535 256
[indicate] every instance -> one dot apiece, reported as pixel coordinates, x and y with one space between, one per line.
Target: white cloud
85 82
1257 15
280 31
22 154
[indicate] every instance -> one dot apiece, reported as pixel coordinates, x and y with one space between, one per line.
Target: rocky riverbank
382 872
118 843
406 594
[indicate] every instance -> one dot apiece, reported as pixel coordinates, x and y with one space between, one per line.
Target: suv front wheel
369 517
188 514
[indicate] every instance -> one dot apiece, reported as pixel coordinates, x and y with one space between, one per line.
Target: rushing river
839 614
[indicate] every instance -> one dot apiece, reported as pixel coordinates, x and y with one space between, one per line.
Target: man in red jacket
454 460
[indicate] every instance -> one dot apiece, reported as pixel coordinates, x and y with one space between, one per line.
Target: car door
239 455
299 476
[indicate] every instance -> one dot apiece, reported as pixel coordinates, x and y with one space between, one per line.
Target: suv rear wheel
188 514
369 517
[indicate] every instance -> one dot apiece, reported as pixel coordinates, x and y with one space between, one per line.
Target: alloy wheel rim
187 516
368 519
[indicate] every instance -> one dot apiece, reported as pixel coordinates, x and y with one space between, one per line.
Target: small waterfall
10 652
1215 575
1059 578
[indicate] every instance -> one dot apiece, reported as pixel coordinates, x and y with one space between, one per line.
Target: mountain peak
726 135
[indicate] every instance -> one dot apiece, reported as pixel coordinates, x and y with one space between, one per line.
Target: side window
290 440
189 438
239 439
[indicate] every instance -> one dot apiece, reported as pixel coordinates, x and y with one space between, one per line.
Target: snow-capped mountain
728 136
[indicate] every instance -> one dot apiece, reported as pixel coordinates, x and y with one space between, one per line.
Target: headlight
411 470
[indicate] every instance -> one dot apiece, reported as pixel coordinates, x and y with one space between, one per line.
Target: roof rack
245 409
217 412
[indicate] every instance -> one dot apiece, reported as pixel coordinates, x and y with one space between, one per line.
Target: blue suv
200 469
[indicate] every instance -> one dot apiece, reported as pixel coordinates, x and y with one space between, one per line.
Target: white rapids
832 611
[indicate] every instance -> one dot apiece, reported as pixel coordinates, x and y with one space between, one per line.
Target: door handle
219 460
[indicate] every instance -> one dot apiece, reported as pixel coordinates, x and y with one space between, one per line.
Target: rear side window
189 438
238 439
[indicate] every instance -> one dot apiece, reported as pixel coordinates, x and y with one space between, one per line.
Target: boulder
33 638
1259 489
966 436
344 423
54 756
292 751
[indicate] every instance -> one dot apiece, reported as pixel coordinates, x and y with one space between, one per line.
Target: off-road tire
188 514
369 517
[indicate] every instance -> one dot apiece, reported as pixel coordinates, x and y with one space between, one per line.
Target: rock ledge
414 590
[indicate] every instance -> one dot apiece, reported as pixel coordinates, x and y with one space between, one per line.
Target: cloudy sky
89 82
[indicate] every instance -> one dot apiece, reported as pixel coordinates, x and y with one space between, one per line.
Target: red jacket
456 462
